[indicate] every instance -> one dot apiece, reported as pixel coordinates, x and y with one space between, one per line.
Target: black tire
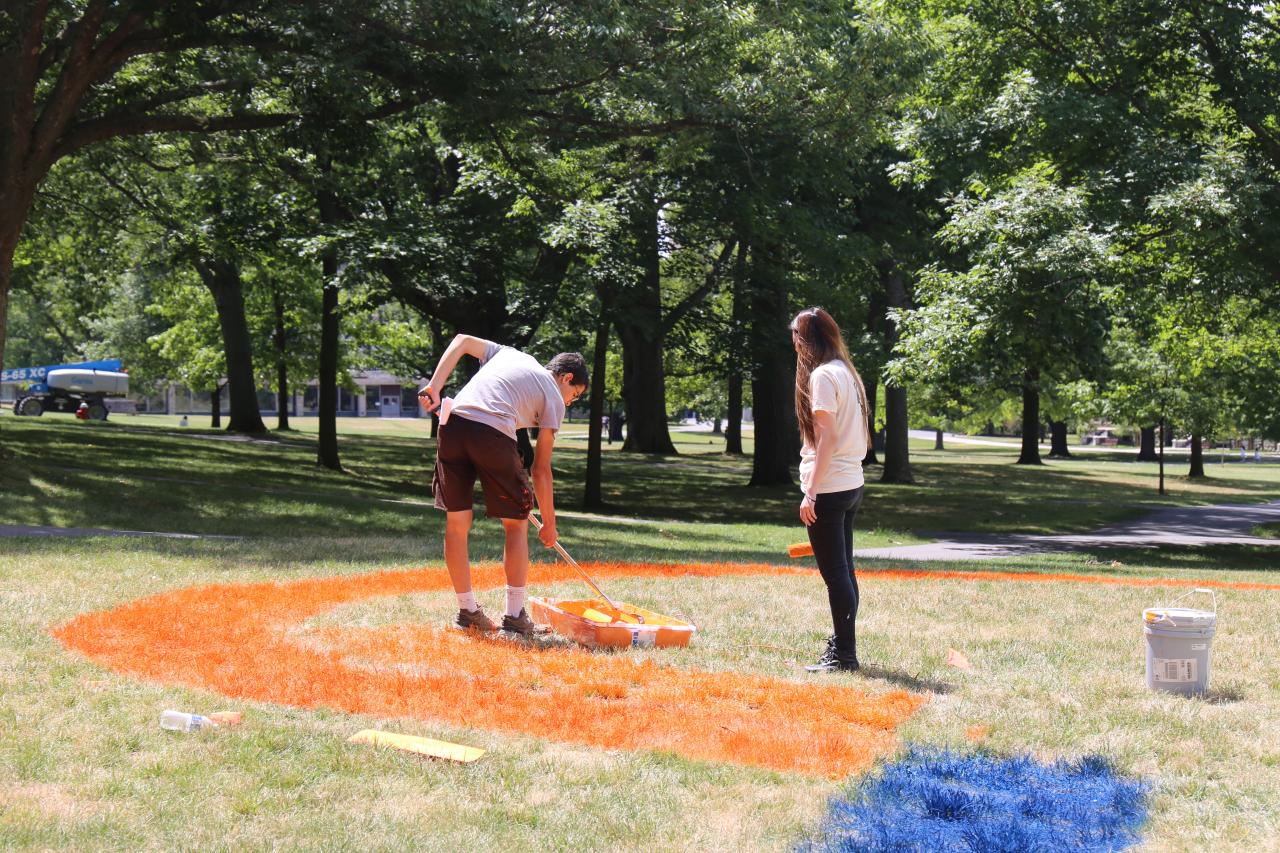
28 407
97 412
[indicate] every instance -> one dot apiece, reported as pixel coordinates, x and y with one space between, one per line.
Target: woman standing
831 408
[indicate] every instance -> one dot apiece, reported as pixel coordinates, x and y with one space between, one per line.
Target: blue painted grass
936 801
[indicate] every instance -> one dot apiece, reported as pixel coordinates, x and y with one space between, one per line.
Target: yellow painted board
419 745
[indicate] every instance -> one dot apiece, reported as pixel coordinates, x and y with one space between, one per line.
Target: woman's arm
824 441
429 396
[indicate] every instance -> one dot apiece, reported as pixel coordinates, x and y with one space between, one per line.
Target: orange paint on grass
248 641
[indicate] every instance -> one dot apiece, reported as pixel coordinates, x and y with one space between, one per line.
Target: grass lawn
1058 667
1267 531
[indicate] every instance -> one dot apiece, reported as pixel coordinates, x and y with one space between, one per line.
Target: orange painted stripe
243 641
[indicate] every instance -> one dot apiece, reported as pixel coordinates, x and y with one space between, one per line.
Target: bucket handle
1199 589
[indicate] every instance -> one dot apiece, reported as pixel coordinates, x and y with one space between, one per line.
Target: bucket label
643 638
1174 669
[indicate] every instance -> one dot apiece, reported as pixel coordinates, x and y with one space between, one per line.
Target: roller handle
586 577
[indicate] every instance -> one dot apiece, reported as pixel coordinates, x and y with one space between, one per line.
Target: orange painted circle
242 640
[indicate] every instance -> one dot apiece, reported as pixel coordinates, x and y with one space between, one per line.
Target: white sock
515 600
467 600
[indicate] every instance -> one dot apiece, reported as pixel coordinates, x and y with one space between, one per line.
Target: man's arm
543 487
429 396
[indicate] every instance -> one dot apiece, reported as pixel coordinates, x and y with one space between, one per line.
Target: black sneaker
523 625
474 620
830 661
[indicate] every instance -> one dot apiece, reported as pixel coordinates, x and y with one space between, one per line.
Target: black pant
832 539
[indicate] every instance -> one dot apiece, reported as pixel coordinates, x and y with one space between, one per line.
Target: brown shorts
468 449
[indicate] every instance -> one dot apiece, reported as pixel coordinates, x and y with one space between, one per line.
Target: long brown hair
820 341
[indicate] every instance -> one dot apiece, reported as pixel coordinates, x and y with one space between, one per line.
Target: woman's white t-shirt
833 389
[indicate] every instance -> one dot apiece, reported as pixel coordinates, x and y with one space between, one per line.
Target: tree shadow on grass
906 681
1230 558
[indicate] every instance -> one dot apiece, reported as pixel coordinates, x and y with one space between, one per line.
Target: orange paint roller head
800 549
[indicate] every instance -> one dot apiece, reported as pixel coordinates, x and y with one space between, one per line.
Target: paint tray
593 623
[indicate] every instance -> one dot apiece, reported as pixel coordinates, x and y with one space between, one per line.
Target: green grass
1058 667
1268 531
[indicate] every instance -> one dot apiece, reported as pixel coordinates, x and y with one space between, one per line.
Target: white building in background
378 394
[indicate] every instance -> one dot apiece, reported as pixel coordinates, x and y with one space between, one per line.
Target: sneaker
523 625
830 661
474 620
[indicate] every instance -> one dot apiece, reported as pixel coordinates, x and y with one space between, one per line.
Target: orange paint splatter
244 641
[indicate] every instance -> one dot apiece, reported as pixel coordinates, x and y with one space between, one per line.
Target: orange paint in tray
595 624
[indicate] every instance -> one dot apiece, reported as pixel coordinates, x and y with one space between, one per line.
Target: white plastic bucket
1179 642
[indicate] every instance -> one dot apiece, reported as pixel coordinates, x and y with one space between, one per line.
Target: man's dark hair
571 363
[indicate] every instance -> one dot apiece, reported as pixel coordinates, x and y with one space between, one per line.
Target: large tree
1027 304
73 74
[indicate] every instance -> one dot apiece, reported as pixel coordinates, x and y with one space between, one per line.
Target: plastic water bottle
178 721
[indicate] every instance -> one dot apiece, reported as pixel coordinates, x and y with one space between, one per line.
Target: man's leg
457 526
515 562
471 616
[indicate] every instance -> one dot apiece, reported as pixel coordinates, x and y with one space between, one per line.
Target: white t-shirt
511 391
833 389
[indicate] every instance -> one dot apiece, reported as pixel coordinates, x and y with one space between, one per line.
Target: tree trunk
773 390
327 447
897 454
638 319
871 379
1058 440
6 273
215 407
327 452
737 354
777 436
644 391
282 363
1030 454
937 439
1147 445
19 176
222 278
524 446
733 421
617 419
8 245
1197 457
437 351
897 450
593 493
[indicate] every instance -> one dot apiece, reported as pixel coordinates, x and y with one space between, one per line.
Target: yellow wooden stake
419 745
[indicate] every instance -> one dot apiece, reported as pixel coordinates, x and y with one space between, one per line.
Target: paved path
1223 524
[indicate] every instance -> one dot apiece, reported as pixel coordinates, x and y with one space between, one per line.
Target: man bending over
510 392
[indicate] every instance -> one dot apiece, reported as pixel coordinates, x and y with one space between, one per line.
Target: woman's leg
849 516
828 537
